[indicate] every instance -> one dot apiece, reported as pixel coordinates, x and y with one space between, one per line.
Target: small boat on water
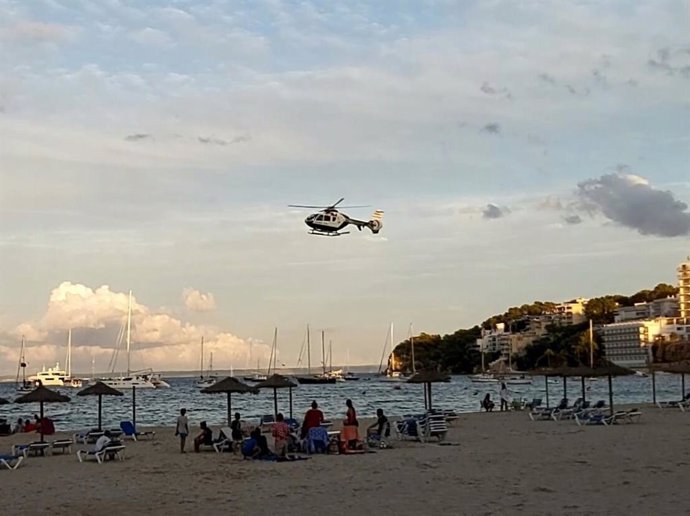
24 385
210 378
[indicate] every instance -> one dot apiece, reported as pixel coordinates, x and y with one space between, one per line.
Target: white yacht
50 377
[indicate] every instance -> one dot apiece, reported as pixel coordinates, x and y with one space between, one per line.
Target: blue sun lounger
11 461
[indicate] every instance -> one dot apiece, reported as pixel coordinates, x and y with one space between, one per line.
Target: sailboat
209 379
25 385
130 380
322 378
258 376
389 374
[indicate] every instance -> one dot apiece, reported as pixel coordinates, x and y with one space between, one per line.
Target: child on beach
182 428
281 434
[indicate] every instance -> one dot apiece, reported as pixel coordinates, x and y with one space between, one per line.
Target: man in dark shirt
205 436
381 427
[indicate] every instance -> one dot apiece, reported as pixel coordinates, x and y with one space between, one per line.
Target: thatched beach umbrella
276 382
229 385
42 395
3 401
99 389
546 373
682 368
427 378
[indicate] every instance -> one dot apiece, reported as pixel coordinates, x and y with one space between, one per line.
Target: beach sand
503 464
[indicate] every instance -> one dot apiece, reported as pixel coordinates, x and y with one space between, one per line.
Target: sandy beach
503 464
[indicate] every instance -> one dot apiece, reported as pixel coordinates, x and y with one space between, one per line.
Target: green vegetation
457 352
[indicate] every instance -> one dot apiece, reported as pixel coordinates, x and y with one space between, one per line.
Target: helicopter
331 222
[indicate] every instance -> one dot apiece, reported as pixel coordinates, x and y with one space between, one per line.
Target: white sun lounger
11 461
117 451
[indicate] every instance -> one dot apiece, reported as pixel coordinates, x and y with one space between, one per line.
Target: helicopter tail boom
374 224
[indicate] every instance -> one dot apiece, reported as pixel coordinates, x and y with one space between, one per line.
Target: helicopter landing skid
331 234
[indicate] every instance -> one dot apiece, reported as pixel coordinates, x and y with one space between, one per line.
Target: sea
160 407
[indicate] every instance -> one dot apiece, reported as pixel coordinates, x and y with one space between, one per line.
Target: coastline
503 464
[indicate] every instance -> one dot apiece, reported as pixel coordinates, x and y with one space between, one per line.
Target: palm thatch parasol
99 389
229 385
682 368
42 395
427 378
276 382
3 401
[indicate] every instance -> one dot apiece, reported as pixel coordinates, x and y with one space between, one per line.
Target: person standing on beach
350 415
182 428
312 419
505 396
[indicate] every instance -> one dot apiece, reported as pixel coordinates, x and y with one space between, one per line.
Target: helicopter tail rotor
376 222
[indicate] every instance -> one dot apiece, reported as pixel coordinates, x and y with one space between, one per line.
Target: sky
520 151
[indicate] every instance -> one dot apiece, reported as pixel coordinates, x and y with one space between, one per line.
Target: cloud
138 137
494 212
632 202
197 301
572 219
671 61
491 90
152 37
547 78
492 128
38 32
212 140
97 316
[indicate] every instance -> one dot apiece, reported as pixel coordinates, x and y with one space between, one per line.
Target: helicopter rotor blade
307 206
338 202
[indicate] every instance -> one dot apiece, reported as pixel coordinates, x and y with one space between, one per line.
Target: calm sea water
159 407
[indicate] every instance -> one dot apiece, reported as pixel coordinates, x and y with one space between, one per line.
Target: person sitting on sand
37 423
281 435
350 415
250 447
381 427
28 425
487 404
312 419
205 437
19 427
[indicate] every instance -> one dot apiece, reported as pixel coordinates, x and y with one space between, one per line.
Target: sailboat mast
308 351
275 348
21 366
69 354
129 328
323 352
414 369
201 365
330 354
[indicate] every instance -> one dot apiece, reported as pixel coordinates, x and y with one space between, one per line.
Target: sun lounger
87 436
407 429
433 425
64 445
112 451
592 418
11 461
36 449
128 430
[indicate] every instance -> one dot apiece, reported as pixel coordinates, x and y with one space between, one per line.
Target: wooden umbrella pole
290 402
275 402
583 390
546 381
429 384
41 422
611 394
100 399
134 407
229 408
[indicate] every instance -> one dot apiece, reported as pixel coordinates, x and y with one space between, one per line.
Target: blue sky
154 146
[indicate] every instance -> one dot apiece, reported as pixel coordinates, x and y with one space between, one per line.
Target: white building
571 312
628 344
495 340
684 289
667 307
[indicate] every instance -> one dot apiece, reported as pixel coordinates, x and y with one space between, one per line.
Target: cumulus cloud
494 212
198 301
631 201
96 316
32 31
